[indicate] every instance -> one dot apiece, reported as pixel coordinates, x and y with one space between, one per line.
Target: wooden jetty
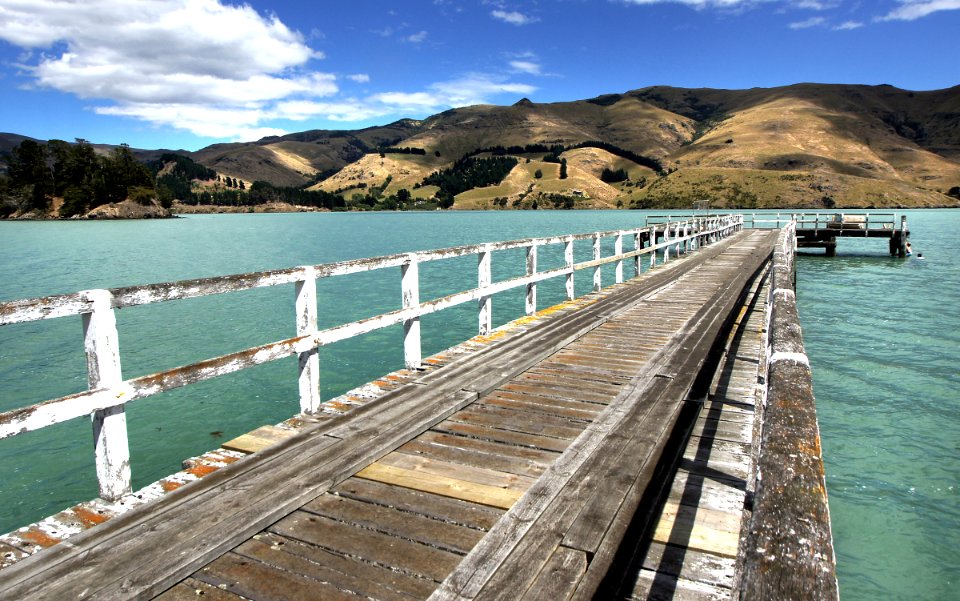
822 230
528 463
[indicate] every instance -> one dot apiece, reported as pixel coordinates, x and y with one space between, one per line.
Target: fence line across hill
108 392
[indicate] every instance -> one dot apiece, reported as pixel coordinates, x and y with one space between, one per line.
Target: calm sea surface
883 335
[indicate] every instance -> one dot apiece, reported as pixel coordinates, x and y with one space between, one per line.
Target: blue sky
188 73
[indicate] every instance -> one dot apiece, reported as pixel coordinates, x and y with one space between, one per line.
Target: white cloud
916 9
349 110
417 37
848 25
528 67
476 89
811 22
814 5
213 69
513 17
698 3
471 89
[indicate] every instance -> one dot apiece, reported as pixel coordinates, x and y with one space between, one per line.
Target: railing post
666 243
484 279
676 232
618 250
308 362
596 257
637 245
568 261
653 245
102 346
410 298
531 298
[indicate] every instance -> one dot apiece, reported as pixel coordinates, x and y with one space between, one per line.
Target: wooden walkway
691 550
510 472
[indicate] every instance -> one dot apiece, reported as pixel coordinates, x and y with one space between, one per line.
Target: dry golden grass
797 134
291 160
405 170
755 188
852 144
521 187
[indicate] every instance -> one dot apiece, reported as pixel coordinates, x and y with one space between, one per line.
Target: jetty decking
512 468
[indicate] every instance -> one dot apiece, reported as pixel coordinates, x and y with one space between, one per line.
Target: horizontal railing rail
834 220
108 392
789 552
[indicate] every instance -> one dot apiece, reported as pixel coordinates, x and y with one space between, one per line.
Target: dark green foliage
76 200
445 200
178 187
184 167
611 176
261 192
606 99
563 168
555 150
954 191
9 202
76 173
469 173
538 174
527 149
30 172
405 150
122 171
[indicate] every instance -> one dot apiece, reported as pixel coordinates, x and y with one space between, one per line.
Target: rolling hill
805 145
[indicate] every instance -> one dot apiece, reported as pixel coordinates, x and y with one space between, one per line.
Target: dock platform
528 465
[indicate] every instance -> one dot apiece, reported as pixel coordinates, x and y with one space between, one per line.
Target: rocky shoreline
127 209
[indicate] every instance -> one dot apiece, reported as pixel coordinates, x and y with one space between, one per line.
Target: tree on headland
563 168
75 173
30 173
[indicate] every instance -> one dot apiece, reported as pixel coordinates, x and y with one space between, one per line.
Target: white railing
834 221
108 392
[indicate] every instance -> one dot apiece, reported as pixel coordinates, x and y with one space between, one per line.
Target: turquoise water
882 334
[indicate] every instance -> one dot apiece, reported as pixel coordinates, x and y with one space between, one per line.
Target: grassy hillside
800 145
759 189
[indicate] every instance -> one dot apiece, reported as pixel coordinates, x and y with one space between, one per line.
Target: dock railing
789 550
108 392
839 222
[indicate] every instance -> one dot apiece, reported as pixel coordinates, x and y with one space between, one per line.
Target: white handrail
108 392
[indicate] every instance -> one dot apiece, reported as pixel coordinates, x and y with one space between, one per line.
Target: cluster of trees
516 149
468 173
404 150
553 152
39 172
179 172
612 176
261 192
232 182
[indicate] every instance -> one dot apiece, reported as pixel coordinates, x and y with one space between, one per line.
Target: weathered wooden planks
691 551
257 440
564 510
385 534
